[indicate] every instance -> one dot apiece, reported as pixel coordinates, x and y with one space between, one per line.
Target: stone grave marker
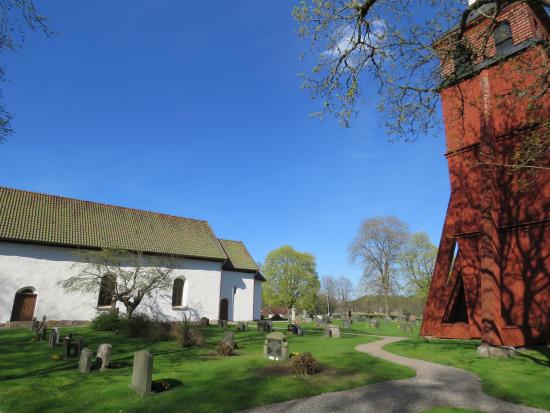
85 363
78 345
276 347
299 331
268 326
34 324
142 373
346 323
334 331
377 323
67 345
204 322
241 326
229 338
52 339
104 354
57 335
222 323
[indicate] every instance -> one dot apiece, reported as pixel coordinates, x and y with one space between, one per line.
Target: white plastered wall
42 267
242 302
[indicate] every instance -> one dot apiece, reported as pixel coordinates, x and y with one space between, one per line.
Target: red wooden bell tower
492 275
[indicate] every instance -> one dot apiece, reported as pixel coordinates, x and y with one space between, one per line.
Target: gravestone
42 332
308 320
260 325
334 331
241 326
52 339
104 354
78 345
204 322
299 331
268 326
57 335
85 363
377 323
222 323
276 347
34 324
326 330
346 323
229 338
142 373
67 346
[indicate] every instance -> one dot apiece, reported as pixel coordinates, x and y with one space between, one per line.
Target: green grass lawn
522 379
32 382
387 328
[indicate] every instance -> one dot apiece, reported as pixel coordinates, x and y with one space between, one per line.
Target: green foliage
417 262
304 364
291 278
107 321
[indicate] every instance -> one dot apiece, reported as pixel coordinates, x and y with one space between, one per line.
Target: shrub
186 335
160 331
224 349
137 326
304 364
109 321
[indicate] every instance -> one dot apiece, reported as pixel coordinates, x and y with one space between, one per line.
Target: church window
503 38
106 290
177 292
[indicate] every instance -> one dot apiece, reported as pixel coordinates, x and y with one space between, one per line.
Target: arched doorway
23 305
224 309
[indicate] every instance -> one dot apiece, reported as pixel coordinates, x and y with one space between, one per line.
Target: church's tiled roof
54 220
239 257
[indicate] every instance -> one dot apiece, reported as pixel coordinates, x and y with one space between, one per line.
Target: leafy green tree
417 263
291 277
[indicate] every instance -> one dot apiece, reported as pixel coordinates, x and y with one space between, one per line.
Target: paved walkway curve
435 385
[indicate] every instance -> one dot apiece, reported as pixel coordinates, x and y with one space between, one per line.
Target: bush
137 326
224 349
160 331
186 335
109 321
304 364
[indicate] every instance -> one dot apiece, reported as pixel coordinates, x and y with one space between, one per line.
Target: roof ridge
102 204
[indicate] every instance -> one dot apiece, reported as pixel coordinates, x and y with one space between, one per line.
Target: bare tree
328 288
126 277
15 16
378 247
417 263
391 52
344 291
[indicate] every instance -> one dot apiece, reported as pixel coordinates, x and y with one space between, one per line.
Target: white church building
42 237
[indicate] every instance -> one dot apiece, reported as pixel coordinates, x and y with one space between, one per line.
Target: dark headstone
276 347
204 322
346 323
67 346
34 324
299 331
241 326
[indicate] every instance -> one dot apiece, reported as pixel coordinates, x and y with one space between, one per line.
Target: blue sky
175 107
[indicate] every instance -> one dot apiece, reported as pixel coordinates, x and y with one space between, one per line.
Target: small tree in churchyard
291 278
120 276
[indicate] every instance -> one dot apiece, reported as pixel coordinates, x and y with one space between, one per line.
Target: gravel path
434 386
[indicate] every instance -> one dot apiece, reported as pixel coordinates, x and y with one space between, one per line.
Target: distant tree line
396 272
